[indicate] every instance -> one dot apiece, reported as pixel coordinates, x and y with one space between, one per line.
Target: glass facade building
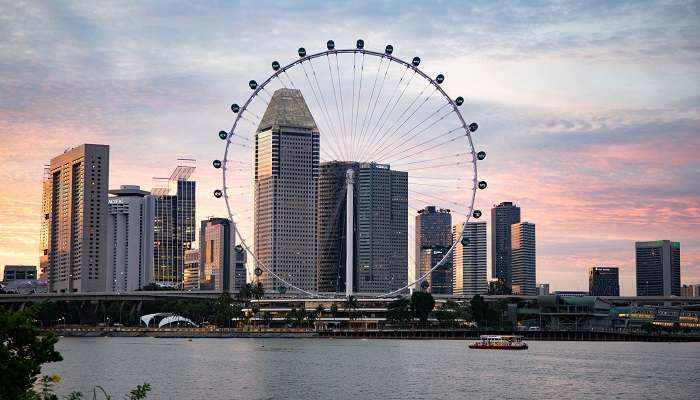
604 281
174 225
382 228
658 265
286 180
469 260
524 264
433 229
503 216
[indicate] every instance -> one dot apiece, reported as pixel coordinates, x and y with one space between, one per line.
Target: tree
398 311
22 351
225 310
422 304
258 291
334 309
448 312
499 287
351 305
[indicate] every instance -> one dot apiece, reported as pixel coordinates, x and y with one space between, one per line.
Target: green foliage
226 310
22 351
449 312
499 287
351 305
398 311
422 304
484 314
334 309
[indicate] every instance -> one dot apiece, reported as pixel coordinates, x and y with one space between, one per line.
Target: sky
589 111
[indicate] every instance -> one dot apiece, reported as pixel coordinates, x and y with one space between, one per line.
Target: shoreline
410 334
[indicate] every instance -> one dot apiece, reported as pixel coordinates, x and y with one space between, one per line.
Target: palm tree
351 305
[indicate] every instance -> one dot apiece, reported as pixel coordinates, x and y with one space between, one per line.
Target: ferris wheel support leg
349 239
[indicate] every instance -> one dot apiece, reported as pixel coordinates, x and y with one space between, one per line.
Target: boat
500 342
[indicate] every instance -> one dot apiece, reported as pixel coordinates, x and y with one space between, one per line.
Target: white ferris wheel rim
363 51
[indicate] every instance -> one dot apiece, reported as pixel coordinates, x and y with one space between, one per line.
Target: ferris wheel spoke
325 117
442 199
352 107
340 91
390 130
389 101
399 145
323 101
411 151
400 164
279 79
401 139
354 154
291 82
366 131
369 103
335 97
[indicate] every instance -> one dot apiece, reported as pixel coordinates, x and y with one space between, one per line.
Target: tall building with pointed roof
286 184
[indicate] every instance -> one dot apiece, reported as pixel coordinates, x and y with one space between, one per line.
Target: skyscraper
129 239
469 259
658 268
382 228
45 224
433 229
603 281
523 259
174 224
218 256
440 280
190 279
502 217
286 179
331 224
75 196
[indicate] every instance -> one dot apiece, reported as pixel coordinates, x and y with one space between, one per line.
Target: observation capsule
465 241
217 193
481 155
416 61
459 100
223 135
360 44
239 248
235 108
473 127
482 185
302 52
275 65
440 78
425 284
282 290
253 84
389 49
217 164
330 45
258 271
476 214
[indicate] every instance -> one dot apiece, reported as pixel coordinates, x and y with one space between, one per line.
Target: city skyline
590 179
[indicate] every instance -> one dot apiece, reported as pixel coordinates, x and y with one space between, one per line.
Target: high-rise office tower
174 224
382 228
604 281
440 280
45 224
658 268
469 259
190 279
502 217
332 183
286 179
129 239
75 205
221 263
433 229
523 259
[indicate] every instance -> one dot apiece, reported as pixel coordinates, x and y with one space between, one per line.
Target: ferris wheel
370 110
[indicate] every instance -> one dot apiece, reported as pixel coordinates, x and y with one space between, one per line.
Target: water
374 369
